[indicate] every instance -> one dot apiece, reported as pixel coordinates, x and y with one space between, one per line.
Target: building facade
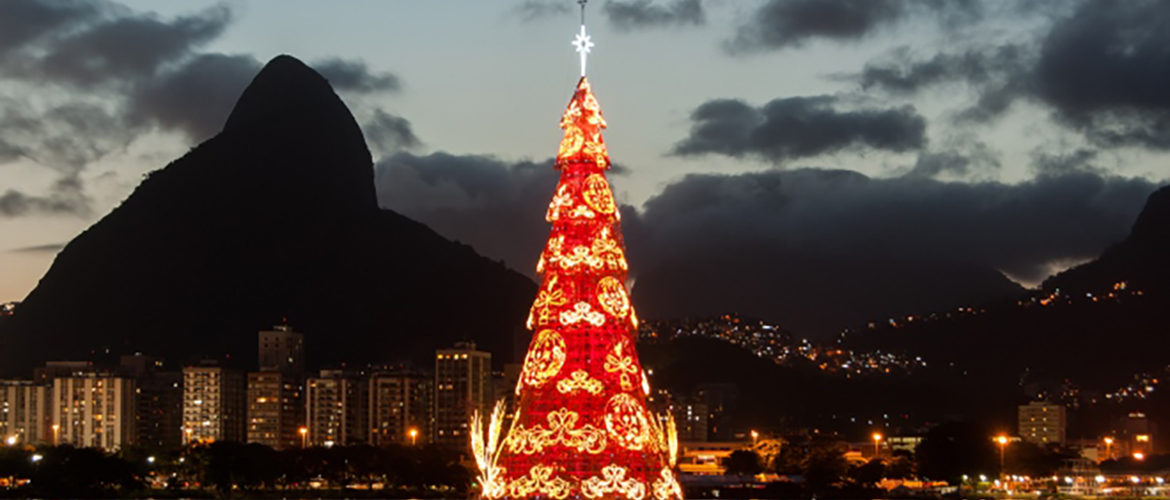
336 408
463 385
401 407
213 404
274 409
1042 423
25 412
282 350
94 410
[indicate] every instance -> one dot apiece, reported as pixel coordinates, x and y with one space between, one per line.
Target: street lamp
56 429
877 439
1108 448
413 433
755 436
304 436
1002 441
188 431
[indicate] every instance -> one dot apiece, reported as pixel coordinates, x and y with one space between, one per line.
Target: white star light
583 44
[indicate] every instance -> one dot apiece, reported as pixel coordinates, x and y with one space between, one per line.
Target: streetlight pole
304 437
1002 441
877 439
56 430
1108 448
413 435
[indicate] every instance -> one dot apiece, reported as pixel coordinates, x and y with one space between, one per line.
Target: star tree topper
582 43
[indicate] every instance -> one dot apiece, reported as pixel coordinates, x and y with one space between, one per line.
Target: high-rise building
160 410
282 350
401 406
25 412
94 410
274 409
159 393
213 404
335 408
1042 423
463 385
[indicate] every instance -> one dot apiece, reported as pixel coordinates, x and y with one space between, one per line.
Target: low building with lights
94 410
274 409
401 400
25 412
335 408
463 385
1042 423
214 404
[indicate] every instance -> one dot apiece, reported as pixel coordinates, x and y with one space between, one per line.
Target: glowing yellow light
561 431
582 311
563 199
625 420
666 487
613 481
545 358
597 194
611 294
542 309
617 362
580 379
540 480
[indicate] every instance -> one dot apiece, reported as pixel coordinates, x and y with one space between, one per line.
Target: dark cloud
1046 164
635 14
1102 69
1026 230
798 127
47 248
66 197
496 206
386 132
903 75
781 24
194 97
354 76
22 21
119 49
532 10
1106 70
1020 229
962 161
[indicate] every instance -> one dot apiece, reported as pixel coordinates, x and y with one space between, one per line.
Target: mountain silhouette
1142 259
275 217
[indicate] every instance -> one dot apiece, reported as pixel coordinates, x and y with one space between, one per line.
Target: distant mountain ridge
1097 323
1143 258
275 217
820 294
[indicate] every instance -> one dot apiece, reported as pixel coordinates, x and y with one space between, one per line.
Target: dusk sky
1020 135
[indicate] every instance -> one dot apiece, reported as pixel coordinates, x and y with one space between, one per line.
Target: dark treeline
231 469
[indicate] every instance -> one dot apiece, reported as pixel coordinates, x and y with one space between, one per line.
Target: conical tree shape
581 427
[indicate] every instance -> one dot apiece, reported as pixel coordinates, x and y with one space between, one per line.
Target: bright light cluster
581 428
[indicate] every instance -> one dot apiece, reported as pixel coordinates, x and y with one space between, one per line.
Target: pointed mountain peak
285 88
1153 224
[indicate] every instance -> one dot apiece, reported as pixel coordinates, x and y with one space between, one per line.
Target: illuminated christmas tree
581 428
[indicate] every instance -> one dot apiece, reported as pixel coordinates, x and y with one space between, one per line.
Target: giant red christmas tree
581 428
